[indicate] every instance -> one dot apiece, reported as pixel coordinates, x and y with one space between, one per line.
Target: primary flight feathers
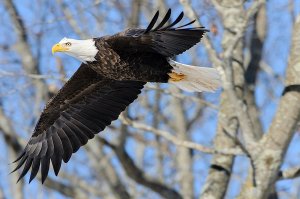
114 70
165 40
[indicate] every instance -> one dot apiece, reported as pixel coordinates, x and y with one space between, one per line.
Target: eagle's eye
68 44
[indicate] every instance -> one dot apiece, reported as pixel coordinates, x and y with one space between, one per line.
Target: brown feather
72 117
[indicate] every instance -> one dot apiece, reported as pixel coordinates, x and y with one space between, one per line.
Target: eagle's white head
83 50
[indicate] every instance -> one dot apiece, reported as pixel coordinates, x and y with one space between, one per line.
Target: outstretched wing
82 108
165 40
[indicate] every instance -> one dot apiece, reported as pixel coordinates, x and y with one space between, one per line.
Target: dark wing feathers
187 24
35 168
73 117
165 19
166 40
25 168
152 23
45 163
180 16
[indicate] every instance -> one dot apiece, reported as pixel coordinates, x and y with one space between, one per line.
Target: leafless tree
168 144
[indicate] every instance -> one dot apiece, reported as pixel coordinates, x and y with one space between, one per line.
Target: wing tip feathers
165 19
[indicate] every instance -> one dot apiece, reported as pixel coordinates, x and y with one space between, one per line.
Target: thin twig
30 75
290 173
178 142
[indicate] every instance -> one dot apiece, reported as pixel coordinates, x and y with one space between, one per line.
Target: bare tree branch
13 147
138 175
106 170
69 16
272 147
289 173
182 153
190 12
184 143
29 62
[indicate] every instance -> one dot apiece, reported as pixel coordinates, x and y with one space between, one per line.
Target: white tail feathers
196 78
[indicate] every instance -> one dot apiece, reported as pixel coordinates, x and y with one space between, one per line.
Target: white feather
83 50
197 78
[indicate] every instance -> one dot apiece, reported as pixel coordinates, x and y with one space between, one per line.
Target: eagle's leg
176 77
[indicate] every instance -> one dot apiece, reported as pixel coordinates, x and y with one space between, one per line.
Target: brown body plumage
123 65
105 84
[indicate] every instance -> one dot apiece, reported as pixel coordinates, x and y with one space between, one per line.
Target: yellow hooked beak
58 48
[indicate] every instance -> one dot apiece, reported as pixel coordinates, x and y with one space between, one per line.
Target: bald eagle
114 69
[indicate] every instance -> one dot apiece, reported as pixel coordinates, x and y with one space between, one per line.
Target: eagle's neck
83 50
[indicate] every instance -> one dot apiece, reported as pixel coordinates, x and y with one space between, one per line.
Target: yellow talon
176 77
